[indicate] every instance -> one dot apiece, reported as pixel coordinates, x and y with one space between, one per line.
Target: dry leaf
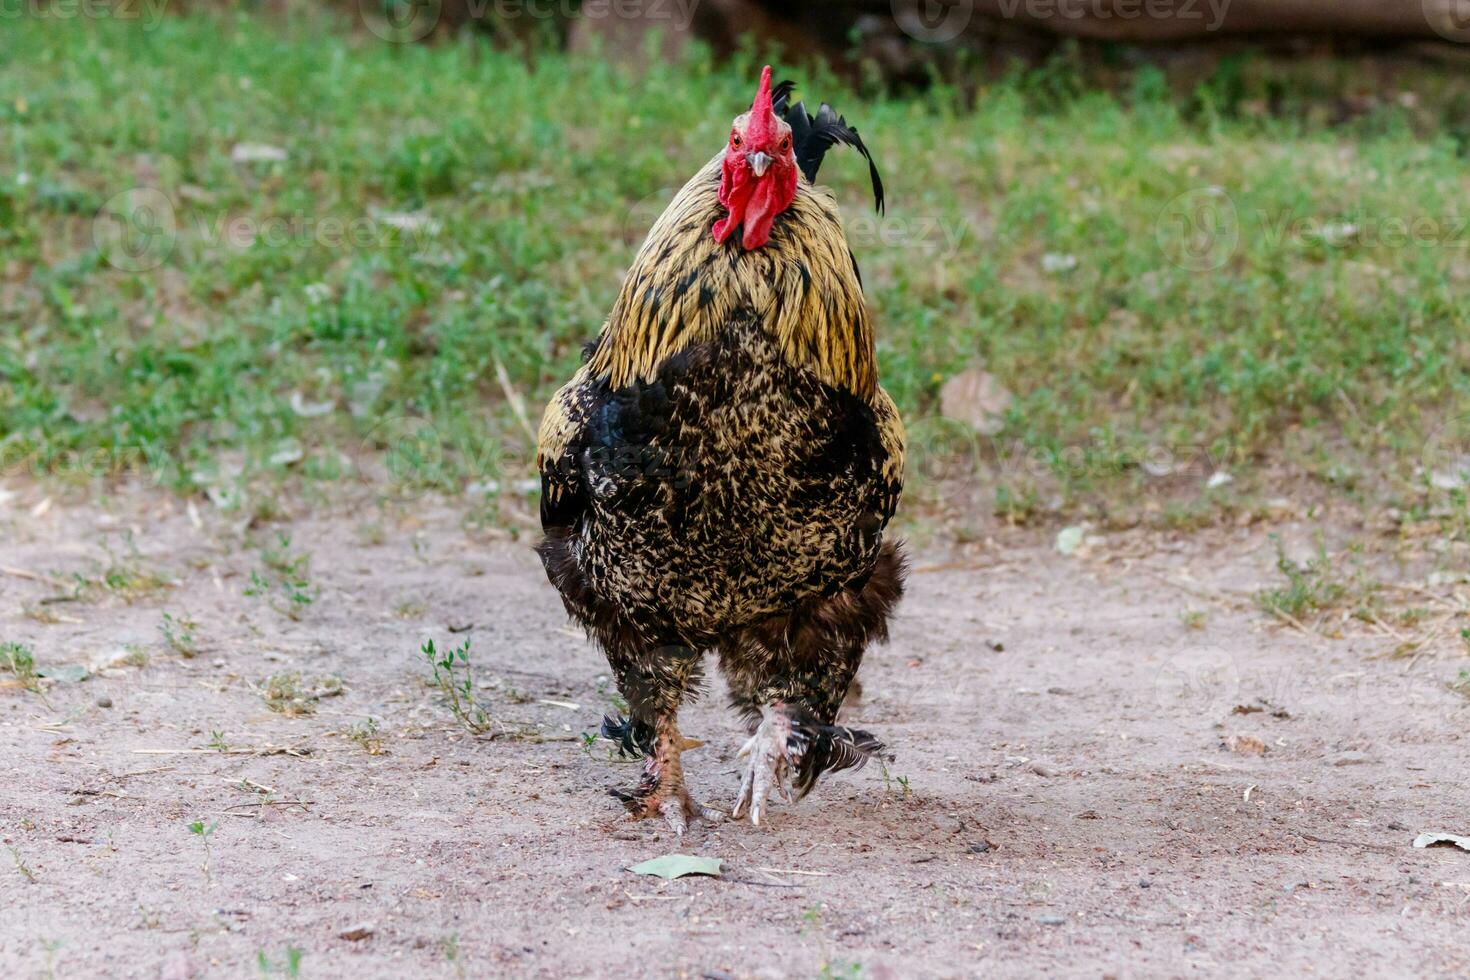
672 866
1245 745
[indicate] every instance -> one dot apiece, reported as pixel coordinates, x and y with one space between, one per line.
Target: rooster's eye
786 143
735 141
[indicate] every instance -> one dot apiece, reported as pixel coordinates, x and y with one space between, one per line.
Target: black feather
812 136
634 738
819 748
781 94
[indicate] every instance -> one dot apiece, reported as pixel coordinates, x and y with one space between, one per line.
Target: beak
759 162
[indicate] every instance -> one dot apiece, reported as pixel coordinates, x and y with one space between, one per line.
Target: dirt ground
1077 789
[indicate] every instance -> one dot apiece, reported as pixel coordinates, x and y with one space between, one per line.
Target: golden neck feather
684 287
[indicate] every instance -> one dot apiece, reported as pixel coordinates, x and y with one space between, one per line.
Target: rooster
718 474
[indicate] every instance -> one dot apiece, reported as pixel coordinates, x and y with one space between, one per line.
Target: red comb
759 130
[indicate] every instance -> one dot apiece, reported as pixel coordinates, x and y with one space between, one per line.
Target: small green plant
455 677
290 965
217 741
178 633
291 692
365 733
1310 587
128 578
903 782
20 660
205 832
450 945
1465 637
20 864
1193 619
410 609
612 695
1461 686
285 583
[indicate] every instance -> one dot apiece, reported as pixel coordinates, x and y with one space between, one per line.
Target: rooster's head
758 178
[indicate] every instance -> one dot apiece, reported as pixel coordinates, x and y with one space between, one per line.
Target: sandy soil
1063 800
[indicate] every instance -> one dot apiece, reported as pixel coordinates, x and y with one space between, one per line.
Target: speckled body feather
719 473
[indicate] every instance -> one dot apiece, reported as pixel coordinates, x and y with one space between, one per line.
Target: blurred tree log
903 37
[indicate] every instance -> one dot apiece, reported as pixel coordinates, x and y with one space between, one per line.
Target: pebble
1050 920
104 702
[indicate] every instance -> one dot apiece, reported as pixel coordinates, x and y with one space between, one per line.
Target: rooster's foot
679 809
768 766
661 791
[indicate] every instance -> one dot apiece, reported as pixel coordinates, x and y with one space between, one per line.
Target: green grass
1039 232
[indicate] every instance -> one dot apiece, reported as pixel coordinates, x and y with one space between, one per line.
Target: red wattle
734 194
760 213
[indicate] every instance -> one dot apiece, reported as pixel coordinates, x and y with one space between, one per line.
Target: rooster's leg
789 678
661 790
654 683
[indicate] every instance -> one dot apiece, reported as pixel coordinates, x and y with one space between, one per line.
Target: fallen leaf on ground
1069 539
66 673
1440 839
1245 745
672 866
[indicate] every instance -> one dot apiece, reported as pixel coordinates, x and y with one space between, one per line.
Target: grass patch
180 633
1312 587
290 692
242 252
20 661
1461 685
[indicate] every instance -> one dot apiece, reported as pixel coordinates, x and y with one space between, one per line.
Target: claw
768 767
673 811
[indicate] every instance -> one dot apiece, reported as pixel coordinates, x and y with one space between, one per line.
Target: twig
24 573
517 404
794 871
652 898
263 750
229 810
248 784
1347 843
